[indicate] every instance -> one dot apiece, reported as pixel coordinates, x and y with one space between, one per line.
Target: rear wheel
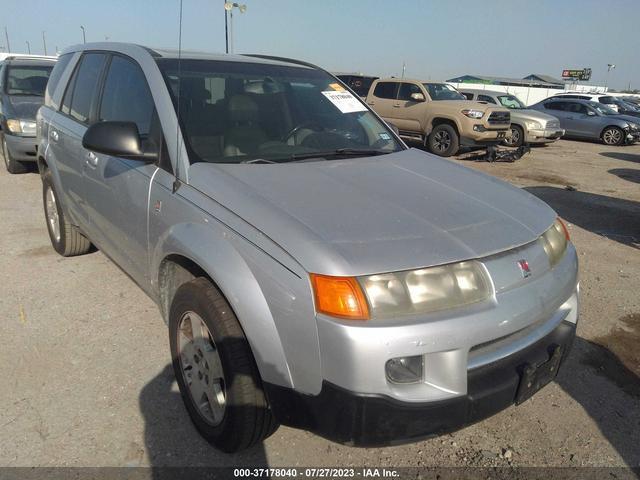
215 369
12 165
613 136
65 237
517 137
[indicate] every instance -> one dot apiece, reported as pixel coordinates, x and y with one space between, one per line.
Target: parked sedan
22 84
527 126
591 120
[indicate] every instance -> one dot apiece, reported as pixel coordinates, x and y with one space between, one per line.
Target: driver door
410 111
578 121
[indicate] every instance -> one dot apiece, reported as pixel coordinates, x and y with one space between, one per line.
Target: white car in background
609 100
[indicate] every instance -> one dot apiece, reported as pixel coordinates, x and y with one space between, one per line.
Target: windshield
511 102
236 112
443 91
602 109
28 80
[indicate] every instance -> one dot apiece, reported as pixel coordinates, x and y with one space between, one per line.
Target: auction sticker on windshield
345 102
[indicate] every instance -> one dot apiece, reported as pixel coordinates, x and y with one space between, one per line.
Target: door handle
396 105
54 135
92 160
371 103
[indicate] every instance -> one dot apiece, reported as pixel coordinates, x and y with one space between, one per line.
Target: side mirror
591 113
417 97
119 139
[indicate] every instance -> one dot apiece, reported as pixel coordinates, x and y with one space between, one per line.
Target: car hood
626 118
24 107
530 114
393 212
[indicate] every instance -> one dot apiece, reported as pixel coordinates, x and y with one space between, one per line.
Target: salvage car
583 119
527 125
22 83
313 271
437 115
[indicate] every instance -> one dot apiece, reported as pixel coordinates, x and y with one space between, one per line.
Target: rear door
117 189
383 100
557 108
67 129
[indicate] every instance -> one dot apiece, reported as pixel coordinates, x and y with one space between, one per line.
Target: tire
12 165
517 137
65 238
612 136
218 367
443 140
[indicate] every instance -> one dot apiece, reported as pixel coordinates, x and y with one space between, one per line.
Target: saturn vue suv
313 271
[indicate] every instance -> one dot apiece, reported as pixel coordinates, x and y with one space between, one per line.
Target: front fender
272 303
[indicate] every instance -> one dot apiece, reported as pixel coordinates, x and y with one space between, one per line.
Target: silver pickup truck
313 271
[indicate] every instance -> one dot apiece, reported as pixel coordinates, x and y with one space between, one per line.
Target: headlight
555 241
532 124
473 113
24 127
427 289
634 126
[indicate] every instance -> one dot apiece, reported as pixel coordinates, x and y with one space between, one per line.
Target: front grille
499 117
553 124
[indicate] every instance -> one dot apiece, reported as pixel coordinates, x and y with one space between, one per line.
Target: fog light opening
404 369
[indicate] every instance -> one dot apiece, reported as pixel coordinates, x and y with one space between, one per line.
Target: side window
555 106
82 87
486 98
468 96
406 89
56 73
386 90
126 96
577 108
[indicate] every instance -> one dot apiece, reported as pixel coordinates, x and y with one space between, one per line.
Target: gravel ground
84 354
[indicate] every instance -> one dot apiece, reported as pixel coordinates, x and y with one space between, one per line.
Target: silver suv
313 270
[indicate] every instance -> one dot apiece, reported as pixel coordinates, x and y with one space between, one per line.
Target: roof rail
283 59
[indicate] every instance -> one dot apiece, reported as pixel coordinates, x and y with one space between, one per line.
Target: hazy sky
437 39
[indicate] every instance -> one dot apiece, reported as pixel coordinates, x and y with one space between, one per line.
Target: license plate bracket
535 377
502 134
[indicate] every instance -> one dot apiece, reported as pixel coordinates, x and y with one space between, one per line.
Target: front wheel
12 165
613 136
443 140
517 137
215 369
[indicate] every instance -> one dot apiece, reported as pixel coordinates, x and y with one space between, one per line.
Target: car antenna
176 182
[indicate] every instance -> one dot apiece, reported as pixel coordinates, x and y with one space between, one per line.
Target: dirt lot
84 355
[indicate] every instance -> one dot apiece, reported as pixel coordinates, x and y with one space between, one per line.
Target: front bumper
22 149
488 136
545 135
375 420
632 137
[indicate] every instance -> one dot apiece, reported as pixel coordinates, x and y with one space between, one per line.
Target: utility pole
6 35
84 37
226 28
28 47
44 43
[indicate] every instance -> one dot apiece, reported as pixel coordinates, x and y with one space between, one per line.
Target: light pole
228 7
84 37
6 35
610 66
44 43
28 47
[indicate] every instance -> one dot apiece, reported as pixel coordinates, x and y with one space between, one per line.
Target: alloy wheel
515 137
612 136
201 368
442 141
52 213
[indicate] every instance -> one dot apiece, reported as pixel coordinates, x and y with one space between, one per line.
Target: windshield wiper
340 152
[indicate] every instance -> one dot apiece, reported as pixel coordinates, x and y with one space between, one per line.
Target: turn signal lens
339 297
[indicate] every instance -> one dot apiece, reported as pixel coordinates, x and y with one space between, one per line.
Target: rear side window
126 96
555 106
468 96
386 90
56 75
82 87
485 98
